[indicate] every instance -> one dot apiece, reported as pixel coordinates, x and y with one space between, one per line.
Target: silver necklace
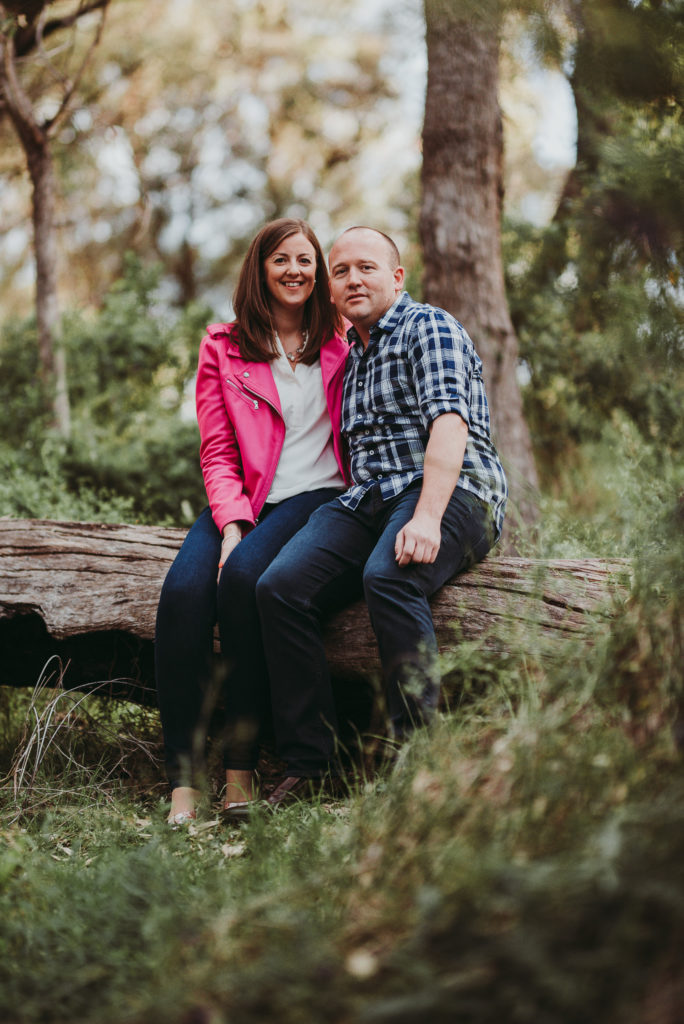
292 356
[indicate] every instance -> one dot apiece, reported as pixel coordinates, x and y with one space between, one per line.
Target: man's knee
269 587
389 581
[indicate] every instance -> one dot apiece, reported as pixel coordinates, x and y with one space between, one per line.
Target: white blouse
307 460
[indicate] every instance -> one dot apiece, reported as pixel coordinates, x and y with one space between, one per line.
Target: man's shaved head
395 258
365 276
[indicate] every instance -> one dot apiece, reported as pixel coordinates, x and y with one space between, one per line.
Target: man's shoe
236 812
292 788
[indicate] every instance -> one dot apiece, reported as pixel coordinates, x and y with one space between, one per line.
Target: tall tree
628 85
607 272
460 221
34 79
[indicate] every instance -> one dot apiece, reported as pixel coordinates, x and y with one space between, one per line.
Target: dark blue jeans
337 550
189 606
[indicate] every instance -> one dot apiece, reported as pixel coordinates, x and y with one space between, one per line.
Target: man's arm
420 539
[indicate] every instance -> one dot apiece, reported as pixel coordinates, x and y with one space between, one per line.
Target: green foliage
645 657
23 404
596 297
36 488
52 736
625 367
521 861
133 453
632 361
133 346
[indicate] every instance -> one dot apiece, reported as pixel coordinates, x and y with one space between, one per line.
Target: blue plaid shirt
419 364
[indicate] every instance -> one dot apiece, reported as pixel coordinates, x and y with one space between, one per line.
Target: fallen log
87 593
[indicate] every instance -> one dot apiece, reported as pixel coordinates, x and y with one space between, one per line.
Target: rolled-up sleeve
441 358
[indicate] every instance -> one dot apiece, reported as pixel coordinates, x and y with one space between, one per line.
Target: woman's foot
184 801
242 788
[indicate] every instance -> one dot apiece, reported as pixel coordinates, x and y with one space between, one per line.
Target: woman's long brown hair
256 332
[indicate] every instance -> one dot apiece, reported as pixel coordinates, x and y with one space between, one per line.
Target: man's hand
232 535
419 540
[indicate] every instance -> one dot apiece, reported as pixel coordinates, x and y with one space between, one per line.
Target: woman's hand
232 535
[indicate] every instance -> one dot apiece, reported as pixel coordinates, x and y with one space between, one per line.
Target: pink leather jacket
241 424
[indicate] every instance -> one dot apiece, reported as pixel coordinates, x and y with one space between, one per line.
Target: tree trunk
460 222
35 134
52 356
88 592
35 141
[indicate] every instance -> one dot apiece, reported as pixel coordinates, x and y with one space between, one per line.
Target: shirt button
246 373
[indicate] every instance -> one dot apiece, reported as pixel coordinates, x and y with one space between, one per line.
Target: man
427 501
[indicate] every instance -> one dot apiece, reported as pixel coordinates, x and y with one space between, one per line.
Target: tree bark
51 352
35 141
35 136
88 593
460 222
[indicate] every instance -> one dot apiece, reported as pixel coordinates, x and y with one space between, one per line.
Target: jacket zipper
241 392
280 415
263 399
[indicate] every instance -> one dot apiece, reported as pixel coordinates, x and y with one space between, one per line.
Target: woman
269 391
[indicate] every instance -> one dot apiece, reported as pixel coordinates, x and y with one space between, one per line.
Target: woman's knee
188 592
179 610
237 587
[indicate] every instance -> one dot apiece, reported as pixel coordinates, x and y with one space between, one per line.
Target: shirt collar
387 322
392 318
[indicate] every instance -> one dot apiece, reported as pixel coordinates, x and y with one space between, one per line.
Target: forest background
191 125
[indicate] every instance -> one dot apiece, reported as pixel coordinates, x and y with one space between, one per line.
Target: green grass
521 862
522 871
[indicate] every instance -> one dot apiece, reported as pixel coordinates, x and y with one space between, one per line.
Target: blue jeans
318 569
190 604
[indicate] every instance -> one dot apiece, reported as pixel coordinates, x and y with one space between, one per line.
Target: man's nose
354 276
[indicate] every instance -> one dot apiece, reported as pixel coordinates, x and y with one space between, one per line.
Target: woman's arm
219 451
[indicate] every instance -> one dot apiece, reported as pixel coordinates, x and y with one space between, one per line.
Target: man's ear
399 274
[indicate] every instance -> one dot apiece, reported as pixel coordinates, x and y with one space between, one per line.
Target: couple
329 465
